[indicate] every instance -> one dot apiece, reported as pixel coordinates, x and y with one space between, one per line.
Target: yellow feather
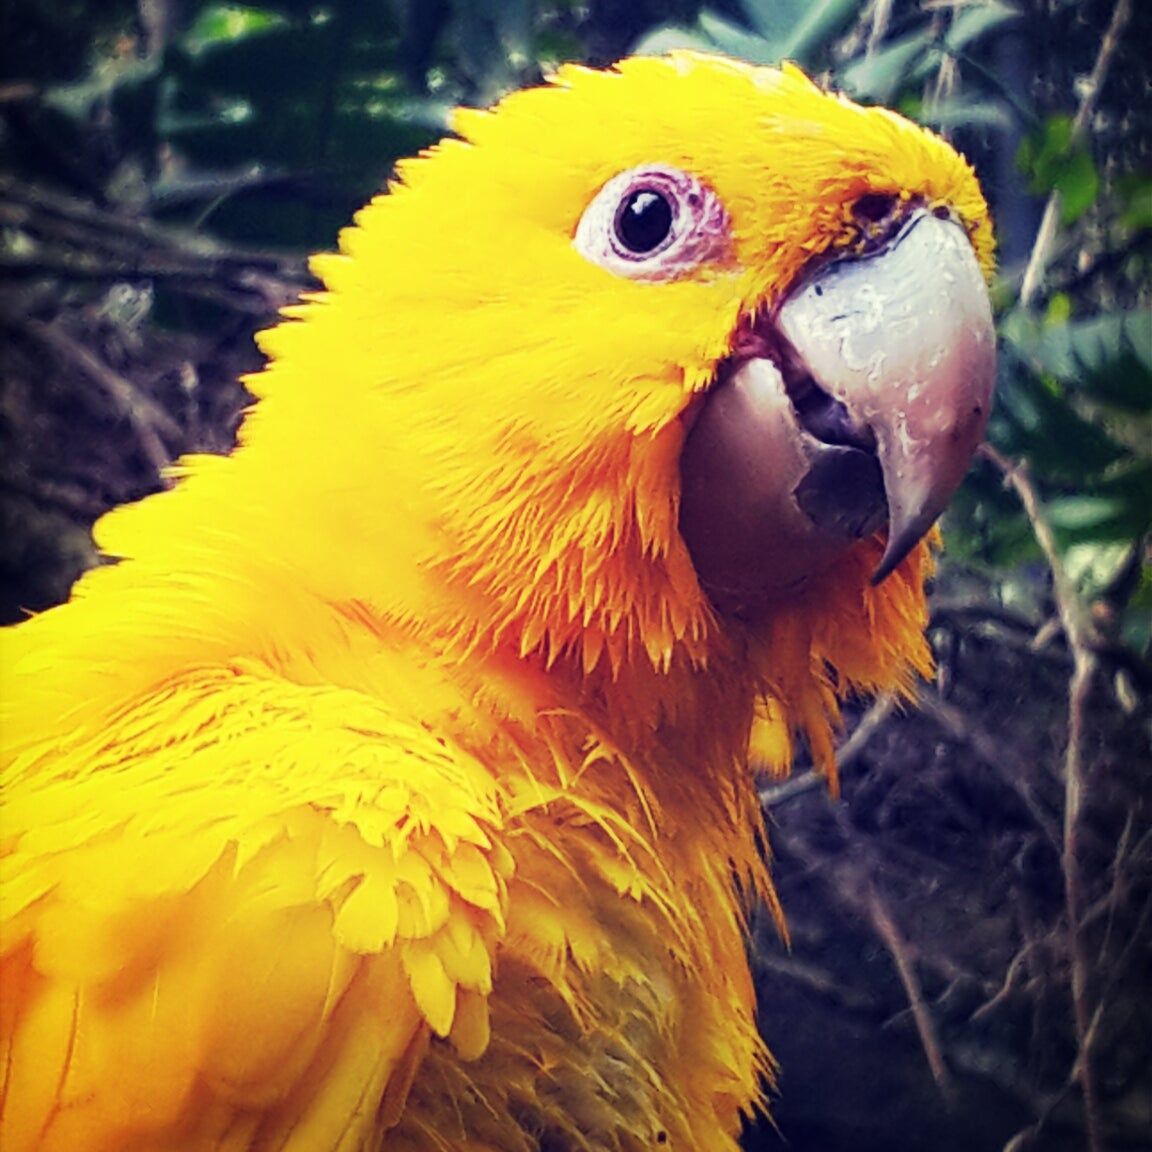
391 792
432 988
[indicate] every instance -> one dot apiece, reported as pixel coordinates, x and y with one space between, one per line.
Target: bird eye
644 221
653 223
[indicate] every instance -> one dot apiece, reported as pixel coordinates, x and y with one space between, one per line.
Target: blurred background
971 956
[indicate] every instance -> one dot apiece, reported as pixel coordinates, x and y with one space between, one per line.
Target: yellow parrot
390 789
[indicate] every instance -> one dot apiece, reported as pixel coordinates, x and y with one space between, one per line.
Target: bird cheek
755 509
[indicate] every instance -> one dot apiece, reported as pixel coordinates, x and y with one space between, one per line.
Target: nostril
873 207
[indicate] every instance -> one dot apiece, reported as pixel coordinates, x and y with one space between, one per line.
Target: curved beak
863 407
905 341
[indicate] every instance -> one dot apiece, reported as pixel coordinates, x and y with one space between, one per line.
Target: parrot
390 784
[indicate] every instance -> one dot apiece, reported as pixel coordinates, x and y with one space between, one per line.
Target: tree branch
1049 223
1078 631
147 418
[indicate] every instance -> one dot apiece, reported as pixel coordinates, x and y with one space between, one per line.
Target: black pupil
644 220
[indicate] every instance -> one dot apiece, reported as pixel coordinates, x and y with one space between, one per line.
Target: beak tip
902 538
884 569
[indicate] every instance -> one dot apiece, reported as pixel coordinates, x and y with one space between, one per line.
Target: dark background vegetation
971 949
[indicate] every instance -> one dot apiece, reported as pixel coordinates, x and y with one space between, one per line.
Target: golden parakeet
391 790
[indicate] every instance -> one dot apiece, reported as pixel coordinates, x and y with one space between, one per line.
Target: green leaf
1094 564
1040 423
1041 150
1078 184
79 101
1131 485
775 20
776 30
1135 191
1138 330
985 523
964 112
1059 310
880 76
818 23
1097 341
1053 162
1107 357
672 38
969 24
734 40
1124 384
1080 513
219 23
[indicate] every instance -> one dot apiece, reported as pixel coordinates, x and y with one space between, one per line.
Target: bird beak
857 405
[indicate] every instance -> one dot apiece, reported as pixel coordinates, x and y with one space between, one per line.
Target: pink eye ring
653 223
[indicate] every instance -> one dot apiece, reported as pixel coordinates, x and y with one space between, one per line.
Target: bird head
642 364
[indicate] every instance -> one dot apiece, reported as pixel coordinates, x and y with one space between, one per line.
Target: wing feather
267 914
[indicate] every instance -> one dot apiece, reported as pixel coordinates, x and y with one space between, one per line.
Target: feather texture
391 790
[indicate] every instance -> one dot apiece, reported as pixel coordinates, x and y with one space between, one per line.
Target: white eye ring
653 223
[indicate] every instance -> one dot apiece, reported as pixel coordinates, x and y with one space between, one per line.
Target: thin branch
1079 632
1113 898
886 929
72 238
147 418
950 611
961 728
817 979
30 204
1050 222
849 753
881 17
1074 618
1009 982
